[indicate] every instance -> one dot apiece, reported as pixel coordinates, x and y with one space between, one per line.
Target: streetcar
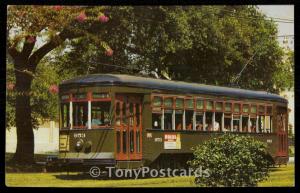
129 121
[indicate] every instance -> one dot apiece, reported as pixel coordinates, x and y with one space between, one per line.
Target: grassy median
281 176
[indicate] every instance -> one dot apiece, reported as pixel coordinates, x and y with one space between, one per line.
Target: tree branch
27 48
13 52
35 58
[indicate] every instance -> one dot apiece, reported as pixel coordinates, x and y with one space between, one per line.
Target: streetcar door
282 134
128 127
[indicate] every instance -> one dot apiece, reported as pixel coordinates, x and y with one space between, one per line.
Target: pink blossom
109 52
30 39
103 18
81 17
53 89
10 86
57 7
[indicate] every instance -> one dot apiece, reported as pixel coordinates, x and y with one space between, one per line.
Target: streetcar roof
168 85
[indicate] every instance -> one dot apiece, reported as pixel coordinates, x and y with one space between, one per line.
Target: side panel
96 144
157 144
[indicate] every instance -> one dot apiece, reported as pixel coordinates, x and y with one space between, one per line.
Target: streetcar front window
100 114
80 115
65 115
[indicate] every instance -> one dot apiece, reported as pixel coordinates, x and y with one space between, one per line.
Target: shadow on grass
87 176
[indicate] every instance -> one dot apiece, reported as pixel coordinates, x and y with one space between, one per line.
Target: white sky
284 12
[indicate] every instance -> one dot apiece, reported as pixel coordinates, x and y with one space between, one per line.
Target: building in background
290 96
46 138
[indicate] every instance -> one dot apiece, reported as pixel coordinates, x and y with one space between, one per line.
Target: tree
33 32
43 102
204 44
232 160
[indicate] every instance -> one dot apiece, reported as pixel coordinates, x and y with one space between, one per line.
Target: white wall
46 138
290 96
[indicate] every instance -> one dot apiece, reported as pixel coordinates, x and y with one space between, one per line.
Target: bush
231 160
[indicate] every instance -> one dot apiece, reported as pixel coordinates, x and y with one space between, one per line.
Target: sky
284 12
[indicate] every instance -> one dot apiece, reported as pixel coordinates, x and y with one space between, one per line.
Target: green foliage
232 160
44 105
205 44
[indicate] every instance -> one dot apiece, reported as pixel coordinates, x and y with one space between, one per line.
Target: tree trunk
25 137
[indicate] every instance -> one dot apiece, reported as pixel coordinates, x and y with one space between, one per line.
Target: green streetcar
130 122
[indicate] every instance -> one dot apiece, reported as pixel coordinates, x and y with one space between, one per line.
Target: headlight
79 145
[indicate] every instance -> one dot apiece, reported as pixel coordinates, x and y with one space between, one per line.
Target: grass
282 176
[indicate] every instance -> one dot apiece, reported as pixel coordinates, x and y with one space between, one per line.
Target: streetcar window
124 139
168 120
236 108
100 95
199 104
157 101
227 122
236 124
228 107
65 115
80 96
189 103
118 112
253 109
261 124
268 124
199 121
137 114
65 97
179 119
137 141
124 114
261 109
281 123
218 121
80 115
118 141
131 140
219 106
253 125
269 110
208 120
131 107
168 102
245 124
245 108
100 114
209 105
189 119
284 122
179 103
156 120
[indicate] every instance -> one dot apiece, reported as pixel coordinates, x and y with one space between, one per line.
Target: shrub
231 160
